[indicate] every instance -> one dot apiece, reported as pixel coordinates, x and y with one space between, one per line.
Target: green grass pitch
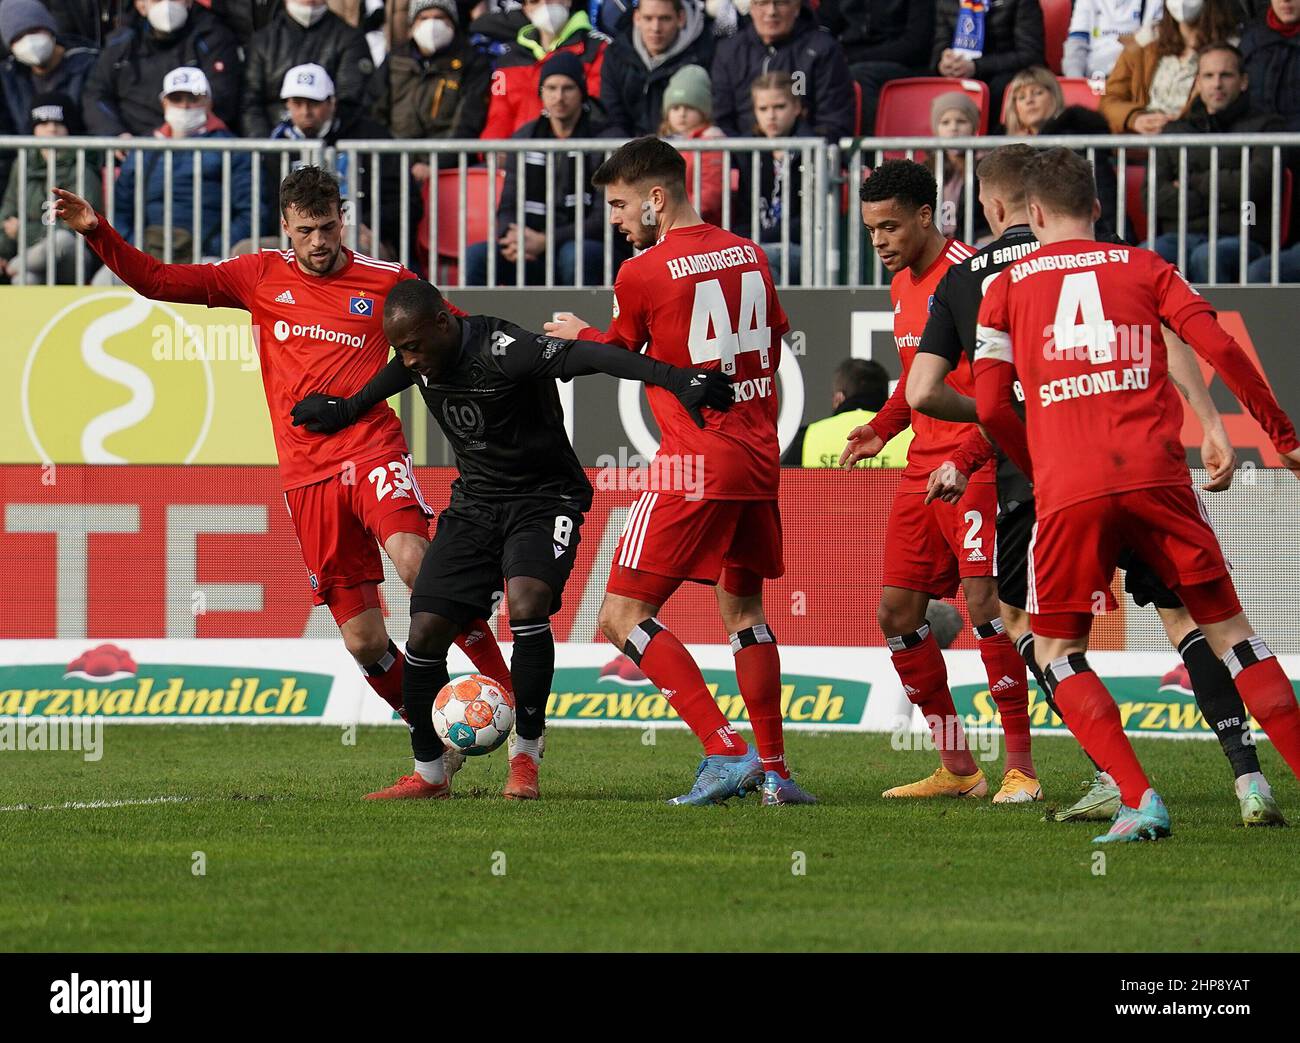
294 860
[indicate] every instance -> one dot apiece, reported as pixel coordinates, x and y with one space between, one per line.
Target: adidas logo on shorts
909 691
976 555
285 298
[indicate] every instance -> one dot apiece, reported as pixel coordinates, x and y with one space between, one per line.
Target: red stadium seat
904 107
1135 199
1077 90
1288 196
480 221
1056 26
857 108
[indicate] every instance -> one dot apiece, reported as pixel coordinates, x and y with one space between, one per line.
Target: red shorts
679 539
340 522
1074 552
931 547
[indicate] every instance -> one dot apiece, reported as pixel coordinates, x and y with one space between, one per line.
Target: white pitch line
78 805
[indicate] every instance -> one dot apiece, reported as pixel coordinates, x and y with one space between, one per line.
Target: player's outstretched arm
326 414
994 397
148 276
1217 454
1213 343
929 392
696 389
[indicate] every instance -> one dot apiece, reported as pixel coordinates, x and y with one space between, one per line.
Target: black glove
324 414
697 388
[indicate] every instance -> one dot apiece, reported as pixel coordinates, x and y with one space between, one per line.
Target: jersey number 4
1081 322
713 336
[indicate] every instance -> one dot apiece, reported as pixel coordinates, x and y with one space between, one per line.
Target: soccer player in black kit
949 332
516 507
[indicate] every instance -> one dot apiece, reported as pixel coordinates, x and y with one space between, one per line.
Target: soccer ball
473 714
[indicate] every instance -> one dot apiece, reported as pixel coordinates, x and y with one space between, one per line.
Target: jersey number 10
709 314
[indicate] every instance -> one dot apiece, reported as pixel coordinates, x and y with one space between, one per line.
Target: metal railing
1124 153
453 208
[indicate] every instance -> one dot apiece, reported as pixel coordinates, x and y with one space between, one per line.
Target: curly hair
903 180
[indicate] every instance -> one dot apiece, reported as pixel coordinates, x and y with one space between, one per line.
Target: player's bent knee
430 635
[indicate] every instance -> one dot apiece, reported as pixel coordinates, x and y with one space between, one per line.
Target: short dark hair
1005 168
911 183
1223 45
862 377
1061 181
312 191
415 297
678 6
641 160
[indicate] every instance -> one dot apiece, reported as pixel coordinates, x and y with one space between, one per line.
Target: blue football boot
719 778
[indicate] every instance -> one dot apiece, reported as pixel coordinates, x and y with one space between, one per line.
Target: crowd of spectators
688 69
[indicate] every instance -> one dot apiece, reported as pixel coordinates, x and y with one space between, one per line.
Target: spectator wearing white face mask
299 33
41 60
552 26
187 115
437 84
121 95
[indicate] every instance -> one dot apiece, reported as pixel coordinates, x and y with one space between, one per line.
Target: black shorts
1144 586
1015 532
479 544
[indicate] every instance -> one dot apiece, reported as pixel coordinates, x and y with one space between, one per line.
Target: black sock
1025 646
1219 701
532 669
422 679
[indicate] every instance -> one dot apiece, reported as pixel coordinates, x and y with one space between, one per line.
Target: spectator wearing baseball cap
437 84
566 113
50 115
121 98
302 32
313 113
186 99
41 60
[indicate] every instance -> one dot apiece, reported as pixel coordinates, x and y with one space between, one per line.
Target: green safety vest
823 442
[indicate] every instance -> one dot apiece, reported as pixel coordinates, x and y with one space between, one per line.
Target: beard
320 265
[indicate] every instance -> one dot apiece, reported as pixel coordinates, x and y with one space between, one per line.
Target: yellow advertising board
105 376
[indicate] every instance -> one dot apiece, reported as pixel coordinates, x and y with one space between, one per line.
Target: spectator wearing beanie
665 35
1271 47
299 33
41 59
955 115
688 115
121 95
783 36
437 84
50 115
553 26
565 114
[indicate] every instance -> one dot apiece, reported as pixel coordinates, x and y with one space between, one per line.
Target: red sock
925 680
1268 695
477 642
1010 691
385 677
1093 718
666 662
758 672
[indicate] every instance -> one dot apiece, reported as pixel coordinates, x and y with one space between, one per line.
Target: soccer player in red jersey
699 296
933 544
316 308
1079 322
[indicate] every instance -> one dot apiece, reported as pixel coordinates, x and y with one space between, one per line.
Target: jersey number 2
709 315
